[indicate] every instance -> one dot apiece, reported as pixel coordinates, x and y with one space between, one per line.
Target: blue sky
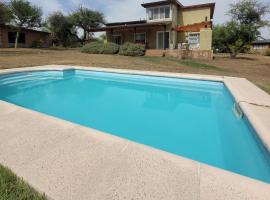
121 10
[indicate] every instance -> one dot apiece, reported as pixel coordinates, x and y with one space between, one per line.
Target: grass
188 63
14 188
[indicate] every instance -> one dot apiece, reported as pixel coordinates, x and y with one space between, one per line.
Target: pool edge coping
247 107
247 103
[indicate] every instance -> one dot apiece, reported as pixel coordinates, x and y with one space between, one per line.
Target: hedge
92 48
110 48
100 48
131 49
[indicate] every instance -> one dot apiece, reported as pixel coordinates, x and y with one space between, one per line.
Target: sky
124 10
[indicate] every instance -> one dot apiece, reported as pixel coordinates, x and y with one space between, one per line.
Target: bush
110 48
267 52
37 44
100 48
130 49
92 48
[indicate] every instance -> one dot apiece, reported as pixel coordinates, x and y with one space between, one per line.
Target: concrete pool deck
68 161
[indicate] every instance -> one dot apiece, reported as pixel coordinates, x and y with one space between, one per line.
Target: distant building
261 45
27 37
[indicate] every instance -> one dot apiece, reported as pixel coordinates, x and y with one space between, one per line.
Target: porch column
135 34
164 38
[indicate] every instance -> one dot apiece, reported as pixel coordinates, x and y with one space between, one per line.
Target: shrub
100 48
110 48
130 49
92 48
267 52
37 44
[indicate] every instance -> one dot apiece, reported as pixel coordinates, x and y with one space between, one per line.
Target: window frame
143 33
193 45
160 15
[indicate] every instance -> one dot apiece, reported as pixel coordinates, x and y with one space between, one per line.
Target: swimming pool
190 118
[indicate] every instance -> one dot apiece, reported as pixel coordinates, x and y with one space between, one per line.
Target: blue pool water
189 118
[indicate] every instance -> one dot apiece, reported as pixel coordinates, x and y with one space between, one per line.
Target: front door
163 40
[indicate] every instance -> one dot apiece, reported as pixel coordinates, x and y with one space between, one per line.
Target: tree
246 20
219 41
85 19
24 15
62 28
5 15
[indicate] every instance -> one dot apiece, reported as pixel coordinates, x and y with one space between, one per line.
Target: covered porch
152 35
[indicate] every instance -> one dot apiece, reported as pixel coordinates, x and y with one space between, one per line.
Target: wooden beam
193 27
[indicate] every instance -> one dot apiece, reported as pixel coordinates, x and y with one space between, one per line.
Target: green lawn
14 188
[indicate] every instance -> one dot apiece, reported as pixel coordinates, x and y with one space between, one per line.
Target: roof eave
160 3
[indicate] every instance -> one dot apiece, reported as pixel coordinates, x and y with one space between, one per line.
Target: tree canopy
66 28
243 28
5 14
24 15
85 19
62 28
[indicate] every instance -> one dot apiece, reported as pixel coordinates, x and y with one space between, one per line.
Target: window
12 37
194 40
150 14
162 13
140 38
157 13
167 12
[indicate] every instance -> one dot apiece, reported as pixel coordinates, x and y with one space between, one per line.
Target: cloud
48 6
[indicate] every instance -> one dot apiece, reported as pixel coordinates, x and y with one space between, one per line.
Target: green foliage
62 29
93 48
267 52
85 19
110 48
219 44
130 49
65 28
100 48
24 14
236 35
14 188
37 44
5 14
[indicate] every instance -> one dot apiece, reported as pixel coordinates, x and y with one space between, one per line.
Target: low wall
190 54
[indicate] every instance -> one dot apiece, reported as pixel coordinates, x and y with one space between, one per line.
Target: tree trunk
233 55
17 39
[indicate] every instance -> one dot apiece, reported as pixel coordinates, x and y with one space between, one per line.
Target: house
261 46
27 37
168 25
